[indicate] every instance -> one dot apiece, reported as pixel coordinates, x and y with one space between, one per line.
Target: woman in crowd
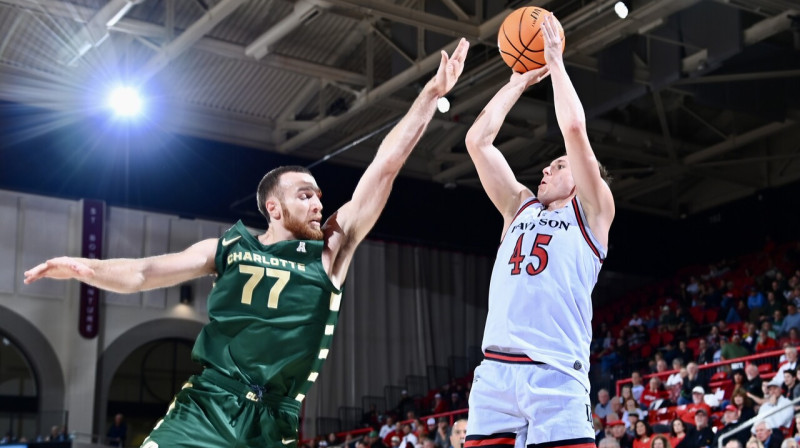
643 433
677 432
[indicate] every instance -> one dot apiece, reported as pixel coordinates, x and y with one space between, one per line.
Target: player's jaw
308 229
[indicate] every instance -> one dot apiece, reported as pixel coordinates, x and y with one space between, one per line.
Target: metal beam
188 38
95 32
303 10
737 141
756 33
206 44
415 18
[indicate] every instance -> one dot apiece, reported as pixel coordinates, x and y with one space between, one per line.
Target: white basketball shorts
518 402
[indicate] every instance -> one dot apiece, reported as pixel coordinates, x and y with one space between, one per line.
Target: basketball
520 39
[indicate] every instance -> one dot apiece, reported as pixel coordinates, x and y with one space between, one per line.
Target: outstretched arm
505 192
594 193
128 275
351 223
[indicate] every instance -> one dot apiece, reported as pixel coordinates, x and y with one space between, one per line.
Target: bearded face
302 230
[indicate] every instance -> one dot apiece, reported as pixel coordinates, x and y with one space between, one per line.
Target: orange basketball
520 40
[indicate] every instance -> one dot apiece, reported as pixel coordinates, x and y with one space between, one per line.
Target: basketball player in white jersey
532 389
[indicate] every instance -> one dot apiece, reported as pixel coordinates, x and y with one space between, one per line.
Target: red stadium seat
719 376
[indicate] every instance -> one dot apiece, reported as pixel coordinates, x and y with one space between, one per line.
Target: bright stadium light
621 9
443 104
125 101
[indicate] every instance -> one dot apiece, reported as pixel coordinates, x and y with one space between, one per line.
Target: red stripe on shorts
498 441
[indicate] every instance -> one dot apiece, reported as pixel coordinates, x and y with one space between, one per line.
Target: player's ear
274 208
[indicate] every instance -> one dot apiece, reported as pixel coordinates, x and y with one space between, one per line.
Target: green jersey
272 310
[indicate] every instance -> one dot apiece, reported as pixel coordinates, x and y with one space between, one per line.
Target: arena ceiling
690 103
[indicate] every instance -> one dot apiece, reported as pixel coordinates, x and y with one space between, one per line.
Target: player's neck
275 234
558 204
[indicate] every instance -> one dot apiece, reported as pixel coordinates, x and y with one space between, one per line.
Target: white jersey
540 302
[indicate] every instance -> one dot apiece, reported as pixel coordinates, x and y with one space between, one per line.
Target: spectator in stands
705 354
387 427
373 441
616 429
713 338
599 430
773 304
765 343
608 442
636 385
408 438
792 319
730 419
458 433
457 402
767 437
371 417
675 380
684 352
625 394
643 434
791 363
766 327
653 397
733 349
405 404
660 441
439 405
752 442
634 416
677 432
603 407
756 303
739 381
442 437
690 381
775 400
790 388
744 404
702 436
792 338
117 432
753 381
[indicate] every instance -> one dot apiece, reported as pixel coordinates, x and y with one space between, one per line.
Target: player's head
288 196
557 181
458 433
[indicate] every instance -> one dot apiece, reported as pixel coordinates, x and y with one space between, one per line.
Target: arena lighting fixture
125 101
443 104
622 9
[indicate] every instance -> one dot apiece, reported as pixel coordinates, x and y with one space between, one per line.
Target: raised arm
505 192
128 275
351 223
593 192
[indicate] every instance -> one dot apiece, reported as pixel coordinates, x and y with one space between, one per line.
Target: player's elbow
475 141
574 127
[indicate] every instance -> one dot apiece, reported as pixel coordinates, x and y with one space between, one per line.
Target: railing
761 358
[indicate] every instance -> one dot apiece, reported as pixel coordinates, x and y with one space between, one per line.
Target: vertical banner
91 247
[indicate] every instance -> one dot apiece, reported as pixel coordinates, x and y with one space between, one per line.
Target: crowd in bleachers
693 357
401 427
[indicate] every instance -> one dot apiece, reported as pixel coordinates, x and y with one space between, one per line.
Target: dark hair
604 173
648 430
270 182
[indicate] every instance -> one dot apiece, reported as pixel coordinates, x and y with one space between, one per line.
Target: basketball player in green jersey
275 302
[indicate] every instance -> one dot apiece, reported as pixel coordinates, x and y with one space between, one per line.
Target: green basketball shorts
214 411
